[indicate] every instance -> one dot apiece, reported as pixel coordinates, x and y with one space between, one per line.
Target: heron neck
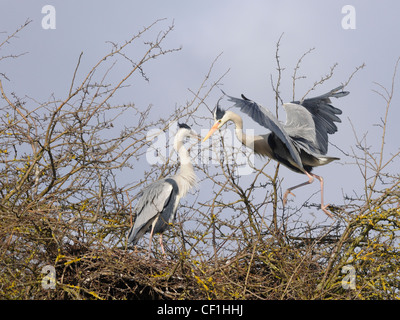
237 120
186 178
255 142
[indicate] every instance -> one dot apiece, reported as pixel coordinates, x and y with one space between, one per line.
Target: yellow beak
212 130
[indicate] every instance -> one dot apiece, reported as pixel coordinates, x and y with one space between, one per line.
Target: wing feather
265 118
151 203
323 116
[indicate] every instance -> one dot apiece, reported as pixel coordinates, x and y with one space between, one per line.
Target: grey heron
158 202
300 144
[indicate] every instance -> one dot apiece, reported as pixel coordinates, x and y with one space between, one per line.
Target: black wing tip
344 93
336 94
183 126
244 97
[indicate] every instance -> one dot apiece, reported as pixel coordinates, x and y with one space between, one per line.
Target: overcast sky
246 33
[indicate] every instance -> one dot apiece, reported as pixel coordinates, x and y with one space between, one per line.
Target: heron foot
286 195
324 209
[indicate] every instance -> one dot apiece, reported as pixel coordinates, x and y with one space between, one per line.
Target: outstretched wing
154 198
310 121
265 118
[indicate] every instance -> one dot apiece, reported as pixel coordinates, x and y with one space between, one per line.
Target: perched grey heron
158 202
300 144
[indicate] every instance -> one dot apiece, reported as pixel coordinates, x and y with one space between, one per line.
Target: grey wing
313 119
151 203
300 125
167 216
265 118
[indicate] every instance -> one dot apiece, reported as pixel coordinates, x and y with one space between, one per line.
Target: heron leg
289 191
151 238
161 244
311 177
323 206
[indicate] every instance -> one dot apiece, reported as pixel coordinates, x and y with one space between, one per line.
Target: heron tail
326 160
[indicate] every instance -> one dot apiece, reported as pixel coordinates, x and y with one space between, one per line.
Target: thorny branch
62 202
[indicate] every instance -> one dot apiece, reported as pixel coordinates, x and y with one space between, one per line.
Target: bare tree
62 203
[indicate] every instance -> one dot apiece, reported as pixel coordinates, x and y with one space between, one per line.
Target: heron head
183 126
221 117
218 113
187 131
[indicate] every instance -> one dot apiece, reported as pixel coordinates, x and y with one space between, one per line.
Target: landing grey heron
300 144
158 202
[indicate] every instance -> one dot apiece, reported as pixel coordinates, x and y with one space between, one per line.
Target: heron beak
212 130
